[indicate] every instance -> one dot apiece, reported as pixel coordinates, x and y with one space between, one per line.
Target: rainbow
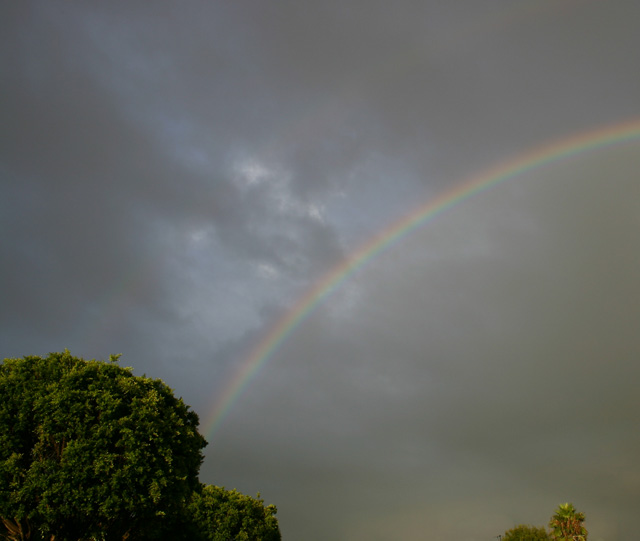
540 156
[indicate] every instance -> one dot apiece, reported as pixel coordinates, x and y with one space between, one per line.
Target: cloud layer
173 180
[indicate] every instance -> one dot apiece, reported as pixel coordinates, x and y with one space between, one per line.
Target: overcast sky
175 176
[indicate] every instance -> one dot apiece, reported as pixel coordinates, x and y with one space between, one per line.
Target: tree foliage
526 533
566 524
220 515
90 451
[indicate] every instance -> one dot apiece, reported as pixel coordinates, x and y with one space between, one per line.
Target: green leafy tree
526 533
566 524
90 451
216 514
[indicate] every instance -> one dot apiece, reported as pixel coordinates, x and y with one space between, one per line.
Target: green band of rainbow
577 144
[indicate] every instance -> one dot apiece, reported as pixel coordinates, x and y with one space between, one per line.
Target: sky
179 181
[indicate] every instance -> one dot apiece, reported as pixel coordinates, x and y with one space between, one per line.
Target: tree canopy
526 533
88 450
566 525
219 515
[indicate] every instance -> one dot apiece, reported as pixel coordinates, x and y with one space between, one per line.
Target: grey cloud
497 374
174 179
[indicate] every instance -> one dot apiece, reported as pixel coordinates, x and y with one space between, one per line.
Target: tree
526 533
566 524
220 515
90 451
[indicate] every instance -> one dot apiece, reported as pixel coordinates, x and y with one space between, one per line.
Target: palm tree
566 524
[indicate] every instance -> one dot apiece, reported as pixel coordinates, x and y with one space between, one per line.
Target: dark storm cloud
173 178
427 79
503 372
102 178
